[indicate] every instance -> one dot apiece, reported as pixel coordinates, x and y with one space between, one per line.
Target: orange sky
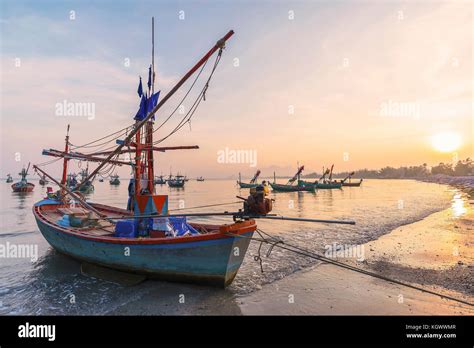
372 80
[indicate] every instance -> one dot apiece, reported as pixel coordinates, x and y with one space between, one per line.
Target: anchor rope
274 241
192 110
207 206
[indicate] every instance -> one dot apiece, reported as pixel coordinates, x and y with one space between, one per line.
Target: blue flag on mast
147 105
149 77
140 88
141 114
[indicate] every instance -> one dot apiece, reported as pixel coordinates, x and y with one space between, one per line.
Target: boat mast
219 45
149 125
66 150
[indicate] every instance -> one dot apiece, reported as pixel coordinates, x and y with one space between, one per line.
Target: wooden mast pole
66 150
218 46
149 125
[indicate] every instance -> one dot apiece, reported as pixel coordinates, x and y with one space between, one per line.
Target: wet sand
436 253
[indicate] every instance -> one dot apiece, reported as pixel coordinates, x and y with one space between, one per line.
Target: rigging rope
196 103
273 241
207 206
121 131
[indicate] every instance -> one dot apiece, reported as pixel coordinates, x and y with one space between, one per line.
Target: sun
446 141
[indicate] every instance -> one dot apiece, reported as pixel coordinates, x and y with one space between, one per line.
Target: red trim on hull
235 228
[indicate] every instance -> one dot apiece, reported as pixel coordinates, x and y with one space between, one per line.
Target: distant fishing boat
43 181
114 180
200 179
322 182
23 185
86 185
253 183
9 178
290 187
160 180
101 180
71 181
176 181
344 181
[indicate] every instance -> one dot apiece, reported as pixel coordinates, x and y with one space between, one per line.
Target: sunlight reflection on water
44 287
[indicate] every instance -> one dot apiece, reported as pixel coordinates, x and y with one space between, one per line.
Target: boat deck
103 227
53 213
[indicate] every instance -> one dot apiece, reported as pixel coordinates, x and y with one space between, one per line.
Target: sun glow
446 141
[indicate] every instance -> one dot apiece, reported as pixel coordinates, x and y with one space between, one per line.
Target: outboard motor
257 203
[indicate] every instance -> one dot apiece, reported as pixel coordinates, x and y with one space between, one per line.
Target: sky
358 84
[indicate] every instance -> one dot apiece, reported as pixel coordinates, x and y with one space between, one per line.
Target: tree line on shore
461 168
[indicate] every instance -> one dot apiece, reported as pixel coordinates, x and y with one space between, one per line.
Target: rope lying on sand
277 242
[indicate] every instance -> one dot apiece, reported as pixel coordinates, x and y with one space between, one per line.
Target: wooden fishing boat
114 180
9 178
206 257
145 238
323 183
290 187
349 183
23 185
87 186
160 180
176 181
205 253
328 185
43 181
253 182
71 180
352 184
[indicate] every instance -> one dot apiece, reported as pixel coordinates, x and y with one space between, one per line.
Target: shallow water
54 285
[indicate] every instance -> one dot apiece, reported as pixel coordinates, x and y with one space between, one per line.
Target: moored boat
23 185
87 186
160 180
71 180
350 183
143 239
253 182
114 180
43 181
200 179
206 257
176 181
323 183
290 187
9 178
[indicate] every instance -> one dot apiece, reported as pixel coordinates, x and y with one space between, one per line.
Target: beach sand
435 253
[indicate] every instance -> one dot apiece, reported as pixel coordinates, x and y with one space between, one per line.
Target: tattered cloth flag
151 103
140 88
146 106
149 77
141 114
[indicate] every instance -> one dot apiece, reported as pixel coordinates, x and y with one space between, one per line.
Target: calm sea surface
46 286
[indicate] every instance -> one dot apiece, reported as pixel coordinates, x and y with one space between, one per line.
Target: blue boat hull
213 262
